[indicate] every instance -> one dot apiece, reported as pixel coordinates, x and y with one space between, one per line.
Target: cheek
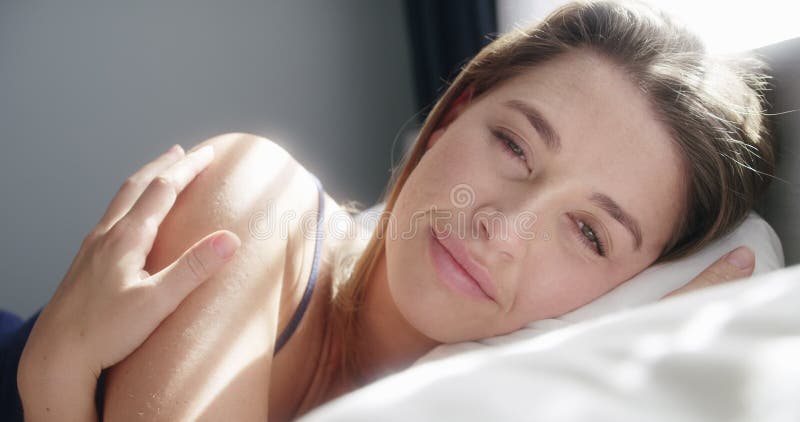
443 174
558 289
473 169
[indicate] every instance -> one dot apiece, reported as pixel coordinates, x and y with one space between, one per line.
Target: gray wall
781 205
91 90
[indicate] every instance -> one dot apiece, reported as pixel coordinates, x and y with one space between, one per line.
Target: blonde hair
713 106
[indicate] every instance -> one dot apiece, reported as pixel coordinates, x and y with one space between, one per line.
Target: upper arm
211 357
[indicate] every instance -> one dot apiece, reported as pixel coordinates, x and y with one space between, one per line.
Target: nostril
493 231
485 228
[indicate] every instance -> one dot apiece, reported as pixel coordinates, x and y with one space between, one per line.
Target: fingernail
741 258
175 149
224 245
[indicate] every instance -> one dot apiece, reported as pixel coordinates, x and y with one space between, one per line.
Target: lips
458 250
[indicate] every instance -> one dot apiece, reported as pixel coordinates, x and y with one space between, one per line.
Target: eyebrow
551 139
617 213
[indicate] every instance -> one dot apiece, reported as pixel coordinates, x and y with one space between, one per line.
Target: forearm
53 391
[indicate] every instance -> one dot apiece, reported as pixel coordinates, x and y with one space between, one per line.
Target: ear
434 137
458 106
455 110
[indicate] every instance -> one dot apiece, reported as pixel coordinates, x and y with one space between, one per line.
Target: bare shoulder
252 183
211 358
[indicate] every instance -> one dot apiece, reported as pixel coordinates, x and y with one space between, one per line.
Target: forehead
580 84
612 142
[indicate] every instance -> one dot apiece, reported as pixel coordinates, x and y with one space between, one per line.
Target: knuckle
149 227
120 229
133 182
717 275
92 236
165 183
116 235
138 231
196 266
124 231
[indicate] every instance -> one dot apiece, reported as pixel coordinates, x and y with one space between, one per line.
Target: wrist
52 346
55 384
61 393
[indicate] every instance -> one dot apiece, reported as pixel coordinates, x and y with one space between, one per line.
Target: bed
728 353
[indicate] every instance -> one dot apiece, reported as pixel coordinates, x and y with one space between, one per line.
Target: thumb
736 264
193 267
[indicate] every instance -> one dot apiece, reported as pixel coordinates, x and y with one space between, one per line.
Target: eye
511 146
588 236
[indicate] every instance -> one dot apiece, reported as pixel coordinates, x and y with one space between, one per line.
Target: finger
153 206
192 268
136 184
736 264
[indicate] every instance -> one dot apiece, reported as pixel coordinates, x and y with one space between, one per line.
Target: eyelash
599 249
510 145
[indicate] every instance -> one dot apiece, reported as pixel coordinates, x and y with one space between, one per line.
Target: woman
604 130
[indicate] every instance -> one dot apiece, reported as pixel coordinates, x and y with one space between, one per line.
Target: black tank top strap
312 279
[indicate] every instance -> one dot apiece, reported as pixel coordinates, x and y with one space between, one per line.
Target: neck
387 343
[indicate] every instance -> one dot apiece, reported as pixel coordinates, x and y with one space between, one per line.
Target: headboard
781 204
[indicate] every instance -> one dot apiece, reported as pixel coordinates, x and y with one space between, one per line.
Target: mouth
458 270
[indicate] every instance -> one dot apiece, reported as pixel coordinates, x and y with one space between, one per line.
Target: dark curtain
444 35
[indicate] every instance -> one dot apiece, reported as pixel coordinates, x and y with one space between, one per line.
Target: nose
500 235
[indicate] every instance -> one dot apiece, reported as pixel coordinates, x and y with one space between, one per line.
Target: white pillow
646 287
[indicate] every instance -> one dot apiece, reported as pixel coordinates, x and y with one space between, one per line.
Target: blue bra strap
312 279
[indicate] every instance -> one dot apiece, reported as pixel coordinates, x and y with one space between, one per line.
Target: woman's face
523 211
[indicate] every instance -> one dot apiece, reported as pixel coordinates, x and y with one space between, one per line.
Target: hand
107 305
736 264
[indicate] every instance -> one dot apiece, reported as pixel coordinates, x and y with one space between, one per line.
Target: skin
595 110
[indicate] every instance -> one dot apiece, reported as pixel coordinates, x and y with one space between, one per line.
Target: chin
436 315
433 309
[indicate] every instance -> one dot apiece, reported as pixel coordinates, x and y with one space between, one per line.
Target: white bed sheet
728 353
